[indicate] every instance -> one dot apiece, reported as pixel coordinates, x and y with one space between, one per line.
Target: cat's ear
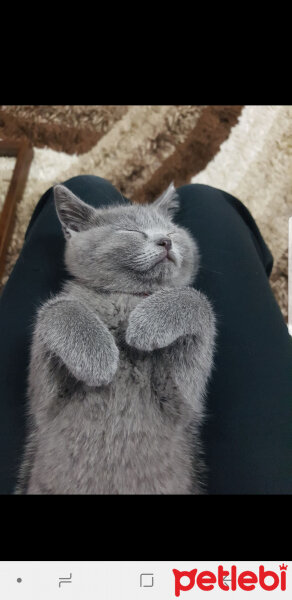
168 201
74 214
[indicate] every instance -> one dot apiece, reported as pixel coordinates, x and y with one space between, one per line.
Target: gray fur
117 378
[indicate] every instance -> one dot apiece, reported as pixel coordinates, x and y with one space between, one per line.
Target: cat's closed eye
136 231
142 232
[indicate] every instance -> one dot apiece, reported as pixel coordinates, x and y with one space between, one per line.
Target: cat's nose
164 242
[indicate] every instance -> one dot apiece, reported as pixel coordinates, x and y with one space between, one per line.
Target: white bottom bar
139 580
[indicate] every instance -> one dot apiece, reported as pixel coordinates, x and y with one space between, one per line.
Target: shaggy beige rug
244 150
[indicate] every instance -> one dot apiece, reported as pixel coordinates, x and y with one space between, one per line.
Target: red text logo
230 580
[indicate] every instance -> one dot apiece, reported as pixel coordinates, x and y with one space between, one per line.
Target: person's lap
248 435
248 432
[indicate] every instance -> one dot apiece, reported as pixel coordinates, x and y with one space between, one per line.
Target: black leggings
247 436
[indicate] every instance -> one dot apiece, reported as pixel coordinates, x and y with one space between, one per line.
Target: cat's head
126 247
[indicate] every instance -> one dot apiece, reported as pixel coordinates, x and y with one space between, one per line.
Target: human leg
248 431
38 272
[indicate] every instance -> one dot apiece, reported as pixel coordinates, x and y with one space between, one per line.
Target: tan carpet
245 150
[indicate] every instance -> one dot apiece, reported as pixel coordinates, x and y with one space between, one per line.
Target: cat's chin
165 260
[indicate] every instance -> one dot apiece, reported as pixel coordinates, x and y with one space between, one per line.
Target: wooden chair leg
23 152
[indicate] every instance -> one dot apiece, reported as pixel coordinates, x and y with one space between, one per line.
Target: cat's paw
145 331
96 365
103 368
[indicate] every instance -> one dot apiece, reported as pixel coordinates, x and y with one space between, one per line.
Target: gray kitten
120 358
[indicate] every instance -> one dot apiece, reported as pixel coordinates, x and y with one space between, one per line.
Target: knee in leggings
85 179
189 191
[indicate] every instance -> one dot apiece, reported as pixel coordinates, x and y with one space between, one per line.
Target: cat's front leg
79 338
182 322
160 319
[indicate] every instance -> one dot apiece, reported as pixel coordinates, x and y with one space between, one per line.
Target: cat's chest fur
112 308
140 375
